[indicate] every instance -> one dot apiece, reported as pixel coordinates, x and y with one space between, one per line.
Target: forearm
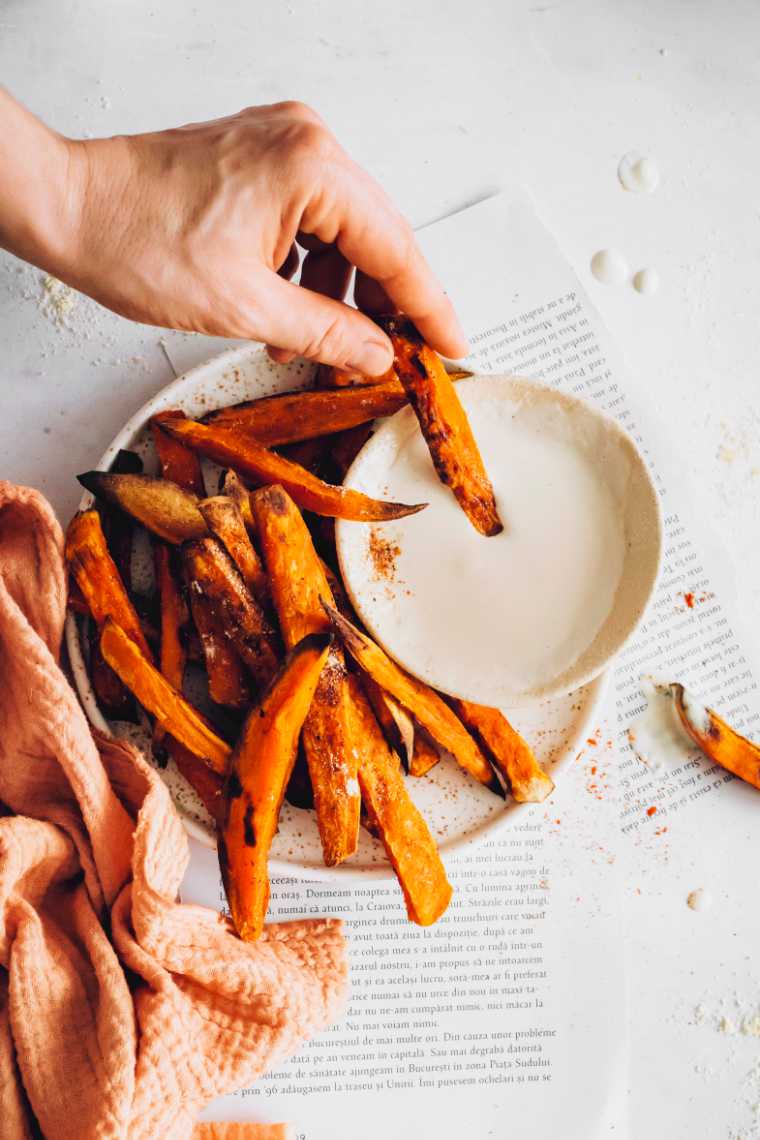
39 201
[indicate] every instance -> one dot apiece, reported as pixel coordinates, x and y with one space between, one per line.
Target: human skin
198 228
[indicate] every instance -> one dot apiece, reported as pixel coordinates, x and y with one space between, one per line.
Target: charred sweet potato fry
232 486
408 843
164 508
90 562
161 699
259 771
210 571
507 751
298 581
206 784
225 522
425 755
178 463
444 424
719 742
250 459
294 416
426 706
227 681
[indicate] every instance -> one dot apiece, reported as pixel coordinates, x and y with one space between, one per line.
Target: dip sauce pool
527 602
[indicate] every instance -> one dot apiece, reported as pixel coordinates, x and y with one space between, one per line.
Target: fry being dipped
259 771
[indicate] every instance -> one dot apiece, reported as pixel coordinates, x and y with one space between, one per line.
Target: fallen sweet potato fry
294 416
426 706
298 581
507 751
443 423
90 562
719 742
164 508
225 521
259 771
407 840
178 463
158 697
227 681
425 755
210 571
250 459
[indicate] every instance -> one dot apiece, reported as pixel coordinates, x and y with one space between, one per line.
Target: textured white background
444 102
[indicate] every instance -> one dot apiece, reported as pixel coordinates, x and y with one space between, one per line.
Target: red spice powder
689 599
651 810
383 554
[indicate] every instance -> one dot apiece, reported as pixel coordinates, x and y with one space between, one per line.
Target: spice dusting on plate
383 554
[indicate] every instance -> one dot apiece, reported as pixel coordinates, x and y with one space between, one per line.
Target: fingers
298 320
378 241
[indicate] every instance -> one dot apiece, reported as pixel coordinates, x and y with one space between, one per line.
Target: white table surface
444 102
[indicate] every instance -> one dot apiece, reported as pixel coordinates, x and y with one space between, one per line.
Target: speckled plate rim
221 363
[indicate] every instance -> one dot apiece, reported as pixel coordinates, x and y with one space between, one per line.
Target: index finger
378 240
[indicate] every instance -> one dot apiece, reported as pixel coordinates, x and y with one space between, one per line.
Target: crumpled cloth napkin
122 1011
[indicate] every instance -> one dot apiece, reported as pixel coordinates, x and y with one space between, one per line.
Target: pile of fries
301 702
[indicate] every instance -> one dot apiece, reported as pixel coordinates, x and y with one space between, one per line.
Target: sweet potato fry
425 755
293 416
164 508
298 581
345 446
225 522
96 575
328 377
444 424
719 742
255 786
227 681
178 463
210 571
507 751
173 617
161 699
397 725
231 485
245 455
206 784
408 843
426 706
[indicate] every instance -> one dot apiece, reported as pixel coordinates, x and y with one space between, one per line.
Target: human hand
195 228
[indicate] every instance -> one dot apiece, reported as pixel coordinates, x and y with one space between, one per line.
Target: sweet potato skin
251 460
259 771
178 463
507 751
90 562
298 581
294 416
210 572
165 508
408 843
426 706
444 424
155 694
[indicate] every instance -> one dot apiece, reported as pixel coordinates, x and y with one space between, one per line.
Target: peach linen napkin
122 1012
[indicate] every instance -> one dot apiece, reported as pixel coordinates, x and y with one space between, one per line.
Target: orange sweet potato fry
155 694
407 840
227 681
178 463
174 617
98 579
250 459
294 416
206 784
719 742
298 581
210 572
444 424
507 751
425 755
225 521
426 706
258 774
232 486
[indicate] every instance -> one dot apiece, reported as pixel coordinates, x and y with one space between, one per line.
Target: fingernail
373 358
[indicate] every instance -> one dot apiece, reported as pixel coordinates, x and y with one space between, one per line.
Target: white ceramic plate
457 809
541 608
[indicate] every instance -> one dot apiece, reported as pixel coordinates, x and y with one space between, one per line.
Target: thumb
319 328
